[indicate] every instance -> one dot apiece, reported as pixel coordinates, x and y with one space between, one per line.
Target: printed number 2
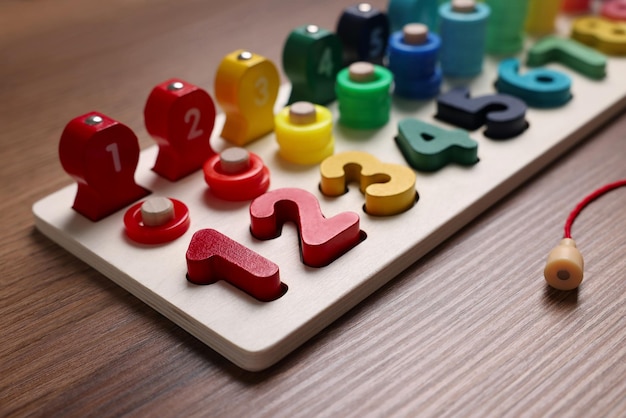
115 153
193 116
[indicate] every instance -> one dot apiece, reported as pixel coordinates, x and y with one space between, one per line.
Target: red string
590 198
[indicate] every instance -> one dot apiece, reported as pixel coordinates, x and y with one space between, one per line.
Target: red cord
590 198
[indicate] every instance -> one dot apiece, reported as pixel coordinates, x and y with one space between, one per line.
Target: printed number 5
376 42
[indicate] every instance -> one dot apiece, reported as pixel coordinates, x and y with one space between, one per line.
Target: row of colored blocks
539 14
102 154
181 116
418 54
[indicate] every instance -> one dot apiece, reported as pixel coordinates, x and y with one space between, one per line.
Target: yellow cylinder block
305 142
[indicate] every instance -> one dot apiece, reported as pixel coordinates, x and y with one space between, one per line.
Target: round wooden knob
157 211
302 113
234 160
463 6
415 33
361 72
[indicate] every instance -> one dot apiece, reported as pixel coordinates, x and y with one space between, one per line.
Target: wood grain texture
469 330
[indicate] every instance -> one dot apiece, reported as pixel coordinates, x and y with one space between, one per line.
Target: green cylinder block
364 105
505 28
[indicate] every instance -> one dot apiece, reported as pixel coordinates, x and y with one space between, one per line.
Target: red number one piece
180 118
101 154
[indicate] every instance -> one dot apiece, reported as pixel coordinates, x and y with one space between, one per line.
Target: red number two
180 117
322 240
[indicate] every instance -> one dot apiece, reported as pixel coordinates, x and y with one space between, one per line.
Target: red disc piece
246 185
614 10
101 154
174 228
180 117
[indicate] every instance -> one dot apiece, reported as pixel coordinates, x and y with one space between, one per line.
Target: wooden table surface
472 329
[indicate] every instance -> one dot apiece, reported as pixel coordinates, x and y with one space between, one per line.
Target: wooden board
255 335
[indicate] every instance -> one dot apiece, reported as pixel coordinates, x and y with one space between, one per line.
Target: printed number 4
325 66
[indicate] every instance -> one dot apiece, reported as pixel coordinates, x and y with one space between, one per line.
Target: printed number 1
115 153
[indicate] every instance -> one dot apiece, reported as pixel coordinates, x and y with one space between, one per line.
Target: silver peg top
245 55
312 28
364 7
176 85
93 120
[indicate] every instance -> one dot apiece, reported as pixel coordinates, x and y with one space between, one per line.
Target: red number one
322 240
212 256
180 117
101 154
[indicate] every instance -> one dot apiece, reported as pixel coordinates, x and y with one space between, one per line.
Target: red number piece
212 256
180 118
101 154
576 6
614 10
322 240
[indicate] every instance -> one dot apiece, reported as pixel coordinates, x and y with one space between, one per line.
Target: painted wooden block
389 189
322 240
427 147
101 154
180 117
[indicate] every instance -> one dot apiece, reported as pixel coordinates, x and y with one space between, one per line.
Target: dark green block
311 61
428 147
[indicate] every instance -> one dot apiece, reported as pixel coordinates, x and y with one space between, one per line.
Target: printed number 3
261 86
193 116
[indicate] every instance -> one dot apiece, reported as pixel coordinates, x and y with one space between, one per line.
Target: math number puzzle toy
255 267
